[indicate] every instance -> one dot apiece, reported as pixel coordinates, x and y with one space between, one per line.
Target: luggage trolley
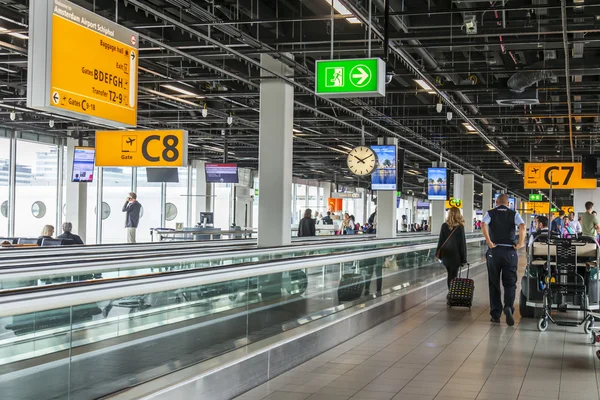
565 282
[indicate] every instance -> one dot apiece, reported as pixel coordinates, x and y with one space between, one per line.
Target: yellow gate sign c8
166 148
557 175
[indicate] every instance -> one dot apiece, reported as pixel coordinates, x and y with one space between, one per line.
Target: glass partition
129 340
177 200
4 175
149 196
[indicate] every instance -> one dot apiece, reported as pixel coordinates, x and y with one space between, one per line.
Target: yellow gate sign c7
557 175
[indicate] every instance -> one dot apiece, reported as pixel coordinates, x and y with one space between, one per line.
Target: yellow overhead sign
453 203
535 207
560 175
141 148
92 64
567 209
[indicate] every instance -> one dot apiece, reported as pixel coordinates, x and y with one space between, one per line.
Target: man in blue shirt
498 227
557 224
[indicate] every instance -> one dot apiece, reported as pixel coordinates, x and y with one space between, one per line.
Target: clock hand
359 160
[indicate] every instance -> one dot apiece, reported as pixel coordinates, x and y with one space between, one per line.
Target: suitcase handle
460 270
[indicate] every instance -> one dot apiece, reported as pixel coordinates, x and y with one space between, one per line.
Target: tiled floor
432 352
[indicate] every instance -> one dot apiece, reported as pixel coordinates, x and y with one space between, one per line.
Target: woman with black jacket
452 244
307 224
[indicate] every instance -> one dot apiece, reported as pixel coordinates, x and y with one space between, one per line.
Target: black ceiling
516 57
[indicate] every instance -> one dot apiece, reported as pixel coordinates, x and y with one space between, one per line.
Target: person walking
306 227
557 225
498 228
132 208
590 225
452 244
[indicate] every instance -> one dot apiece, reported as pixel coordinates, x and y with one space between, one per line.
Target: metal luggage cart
564 281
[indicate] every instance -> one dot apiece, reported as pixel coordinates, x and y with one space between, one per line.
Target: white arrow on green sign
363 77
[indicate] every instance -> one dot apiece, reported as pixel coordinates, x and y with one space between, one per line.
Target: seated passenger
67 228
47 233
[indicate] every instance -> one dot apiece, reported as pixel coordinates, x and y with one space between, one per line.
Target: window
177 198
149 196
37 170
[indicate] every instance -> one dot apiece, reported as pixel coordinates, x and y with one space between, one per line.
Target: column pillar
487 198
438 216
275 155
458 187
468 201
326 191
76 198
386 204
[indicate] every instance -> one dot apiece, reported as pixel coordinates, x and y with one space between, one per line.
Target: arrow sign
132 55
361 76
55 97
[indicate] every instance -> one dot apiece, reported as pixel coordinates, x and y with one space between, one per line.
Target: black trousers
502 263
369 274
452 273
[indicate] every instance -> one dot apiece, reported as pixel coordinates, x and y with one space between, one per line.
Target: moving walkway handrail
57 265
152 246
42 298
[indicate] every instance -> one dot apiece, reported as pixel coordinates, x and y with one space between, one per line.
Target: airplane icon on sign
128 144
130 140
534 170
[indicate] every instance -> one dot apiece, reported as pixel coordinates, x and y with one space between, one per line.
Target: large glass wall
177 198
4 175
149 195
222 204
36 187
115 190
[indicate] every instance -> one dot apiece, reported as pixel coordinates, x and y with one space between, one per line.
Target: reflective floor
432 352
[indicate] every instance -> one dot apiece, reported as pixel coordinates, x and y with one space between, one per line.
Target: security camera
470 24
388 78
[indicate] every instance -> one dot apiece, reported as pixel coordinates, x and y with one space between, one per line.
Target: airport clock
362 160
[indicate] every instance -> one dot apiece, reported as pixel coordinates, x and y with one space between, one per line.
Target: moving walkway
56 342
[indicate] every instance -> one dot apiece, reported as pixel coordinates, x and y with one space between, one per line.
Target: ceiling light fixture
339 7
182 91
297 130
491 147
346 148
13 115
449 115
204 111
424 86
19 35
168 96
506 162
469 127
438 107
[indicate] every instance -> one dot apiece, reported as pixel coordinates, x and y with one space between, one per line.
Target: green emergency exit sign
363 77
535 197
554 209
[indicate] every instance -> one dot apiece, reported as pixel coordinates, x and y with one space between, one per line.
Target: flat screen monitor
162 175
511 201
83 164
385 175
207 218
221 173
437 184
422 205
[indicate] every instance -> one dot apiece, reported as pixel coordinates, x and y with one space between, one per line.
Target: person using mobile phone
132 210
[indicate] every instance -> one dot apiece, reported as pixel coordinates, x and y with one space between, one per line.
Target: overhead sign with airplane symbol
350 78
141 148
557 175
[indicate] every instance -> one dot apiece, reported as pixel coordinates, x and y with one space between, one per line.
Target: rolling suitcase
461 291
351 287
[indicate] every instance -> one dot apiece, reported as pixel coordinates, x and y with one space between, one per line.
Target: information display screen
384 176
437 184
221 173
83 164
421 205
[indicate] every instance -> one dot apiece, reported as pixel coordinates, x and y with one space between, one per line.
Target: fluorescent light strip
10 71
297 130
491 147
424 86
168 96
19 35
339 7
506 162
182 91
345 147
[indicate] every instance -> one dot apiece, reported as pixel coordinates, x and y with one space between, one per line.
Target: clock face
362 160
